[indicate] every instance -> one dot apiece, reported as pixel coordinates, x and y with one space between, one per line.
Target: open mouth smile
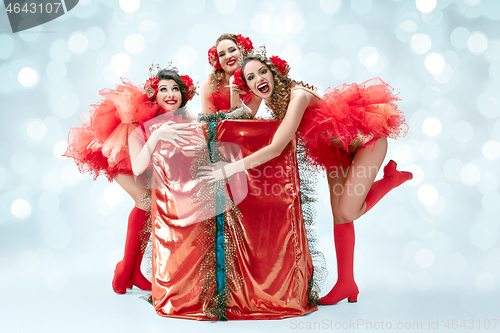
171 101
263 87
231 62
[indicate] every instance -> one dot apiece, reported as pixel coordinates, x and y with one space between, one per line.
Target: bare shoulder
305 95
207 87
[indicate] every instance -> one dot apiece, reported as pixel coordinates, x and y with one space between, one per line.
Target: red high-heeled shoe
392 178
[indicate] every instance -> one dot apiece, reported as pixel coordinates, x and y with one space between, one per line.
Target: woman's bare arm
206 90
299 102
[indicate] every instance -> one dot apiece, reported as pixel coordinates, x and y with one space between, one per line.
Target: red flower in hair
282 65
213 58
239 82
190 88
245 43
151 87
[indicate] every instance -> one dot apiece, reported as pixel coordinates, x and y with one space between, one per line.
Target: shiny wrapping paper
249 260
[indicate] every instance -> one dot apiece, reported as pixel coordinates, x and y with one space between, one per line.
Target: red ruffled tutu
349 118
221 101
100 146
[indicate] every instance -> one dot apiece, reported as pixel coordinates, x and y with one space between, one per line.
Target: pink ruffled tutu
349 118
100 146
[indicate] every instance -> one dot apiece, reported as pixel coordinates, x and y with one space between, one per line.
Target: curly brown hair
280 97
217 74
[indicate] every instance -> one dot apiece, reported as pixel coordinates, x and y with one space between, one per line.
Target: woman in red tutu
345 132
101 146
224 57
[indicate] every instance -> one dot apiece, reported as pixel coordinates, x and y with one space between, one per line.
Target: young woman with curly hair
345 132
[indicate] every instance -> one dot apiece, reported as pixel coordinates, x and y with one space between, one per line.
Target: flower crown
239 81
151 85
244 43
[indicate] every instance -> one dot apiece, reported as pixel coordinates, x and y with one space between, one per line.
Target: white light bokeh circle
421 43
20 208
28 77
225 6
426 6
113 194
445 76
432 126
368 56
134 43
434 63
424 258
341 69
120 63
488 104
36 130
294 23
408 26
477 43
96 37
459 37
491 150
78 43
130 6
463 131
427 194
330 6
470 174
438 207
60 149
187 56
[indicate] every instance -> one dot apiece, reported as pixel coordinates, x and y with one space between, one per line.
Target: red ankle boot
392 178
124 268
345 287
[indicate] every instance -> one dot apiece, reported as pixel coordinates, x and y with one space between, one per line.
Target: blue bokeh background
427 253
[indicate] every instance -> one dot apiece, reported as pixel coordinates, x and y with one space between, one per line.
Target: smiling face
169 95
228 53
259 79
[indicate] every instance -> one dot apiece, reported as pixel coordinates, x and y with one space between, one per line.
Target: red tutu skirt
349 118
100 146
221 100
